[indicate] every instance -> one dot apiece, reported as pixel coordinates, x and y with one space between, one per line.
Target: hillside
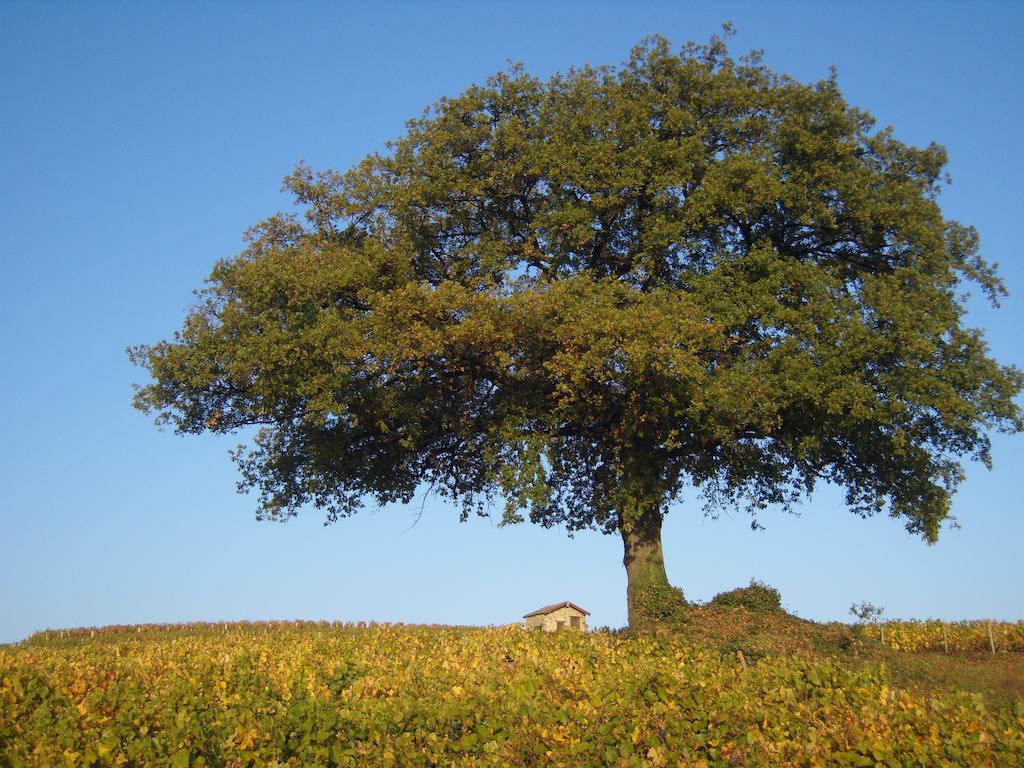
347 695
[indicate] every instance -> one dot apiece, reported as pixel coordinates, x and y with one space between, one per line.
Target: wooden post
882 628
945 638
991 640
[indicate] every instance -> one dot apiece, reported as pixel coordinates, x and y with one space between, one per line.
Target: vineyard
392 695
950 637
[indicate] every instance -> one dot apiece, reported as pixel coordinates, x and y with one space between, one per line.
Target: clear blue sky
137 142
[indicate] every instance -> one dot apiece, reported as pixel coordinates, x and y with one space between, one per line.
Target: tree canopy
578 296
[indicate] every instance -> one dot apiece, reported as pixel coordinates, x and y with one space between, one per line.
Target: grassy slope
999 678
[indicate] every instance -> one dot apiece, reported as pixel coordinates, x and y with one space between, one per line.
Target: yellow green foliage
953 636
586 293
318 694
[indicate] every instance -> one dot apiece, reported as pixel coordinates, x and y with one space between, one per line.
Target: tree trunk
648 594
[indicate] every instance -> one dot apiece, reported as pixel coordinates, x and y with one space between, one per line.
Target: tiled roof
555 607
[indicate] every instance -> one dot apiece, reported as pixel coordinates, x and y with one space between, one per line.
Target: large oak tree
578 296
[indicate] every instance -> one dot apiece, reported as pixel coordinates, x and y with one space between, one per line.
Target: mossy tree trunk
649 596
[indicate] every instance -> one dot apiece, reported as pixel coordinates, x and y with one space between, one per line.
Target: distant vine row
950 637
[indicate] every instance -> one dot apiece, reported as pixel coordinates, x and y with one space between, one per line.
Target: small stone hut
551 618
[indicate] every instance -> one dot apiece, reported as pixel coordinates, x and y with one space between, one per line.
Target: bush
661 604
866 613
757 597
